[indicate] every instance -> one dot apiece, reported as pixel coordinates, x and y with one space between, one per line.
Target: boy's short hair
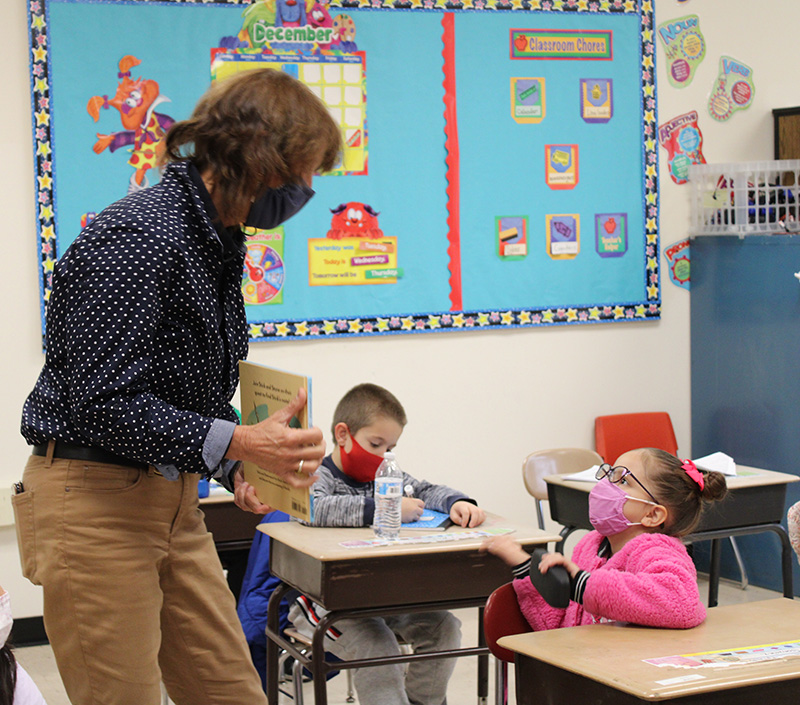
363 404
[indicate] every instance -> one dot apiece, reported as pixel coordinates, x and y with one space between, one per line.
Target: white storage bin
745 198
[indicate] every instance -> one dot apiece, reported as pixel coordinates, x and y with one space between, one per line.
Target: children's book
265 390
430 520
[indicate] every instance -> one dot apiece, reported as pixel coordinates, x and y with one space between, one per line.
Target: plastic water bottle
388 496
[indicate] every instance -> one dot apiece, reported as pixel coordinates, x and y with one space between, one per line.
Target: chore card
563 235
561 165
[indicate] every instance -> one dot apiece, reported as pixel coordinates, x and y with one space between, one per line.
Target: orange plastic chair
614 435
502 617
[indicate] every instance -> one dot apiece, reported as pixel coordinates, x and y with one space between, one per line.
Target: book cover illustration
265 390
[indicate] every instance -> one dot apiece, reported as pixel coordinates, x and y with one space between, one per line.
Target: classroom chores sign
452 207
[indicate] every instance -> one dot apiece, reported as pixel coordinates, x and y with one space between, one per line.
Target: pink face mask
606 502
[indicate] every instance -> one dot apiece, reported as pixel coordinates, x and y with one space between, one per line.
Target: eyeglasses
617 474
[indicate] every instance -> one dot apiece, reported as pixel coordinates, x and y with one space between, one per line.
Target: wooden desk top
613 653
746 477
323 543
311 560
218 498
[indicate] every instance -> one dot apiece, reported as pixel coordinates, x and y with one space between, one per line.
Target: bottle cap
388 455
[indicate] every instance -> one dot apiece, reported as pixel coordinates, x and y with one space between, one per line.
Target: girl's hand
411 509
551 559
506 548
466 514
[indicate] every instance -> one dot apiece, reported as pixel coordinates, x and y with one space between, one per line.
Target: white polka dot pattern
145 328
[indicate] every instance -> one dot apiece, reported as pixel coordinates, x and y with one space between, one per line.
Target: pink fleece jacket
650 581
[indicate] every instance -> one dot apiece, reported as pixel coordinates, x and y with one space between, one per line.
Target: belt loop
48 459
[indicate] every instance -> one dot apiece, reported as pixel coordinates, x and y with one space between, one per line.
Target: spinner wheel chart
263 274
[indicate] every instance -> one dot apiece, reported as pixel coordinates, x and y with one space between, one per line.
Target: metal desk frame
378 581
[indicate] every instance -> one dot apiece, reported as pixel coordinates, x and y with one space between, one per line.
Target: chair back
558 461
616 434
503 617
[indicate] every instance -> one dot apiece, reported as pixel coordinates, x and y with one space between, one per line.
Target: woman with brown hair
145 329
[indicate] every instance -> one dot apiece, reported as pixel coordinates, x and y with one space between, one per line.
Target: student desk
377 581
755 503
604 663
233 530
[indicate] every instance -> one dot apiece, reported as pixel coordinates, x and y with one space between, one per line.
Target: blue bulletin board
499 169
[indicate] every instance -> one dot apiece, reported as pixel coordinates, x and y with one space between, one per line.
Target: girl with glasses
633 567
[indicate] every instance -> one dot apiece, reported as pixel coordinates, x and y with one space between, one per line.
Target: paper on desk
214 488
720 462
587 475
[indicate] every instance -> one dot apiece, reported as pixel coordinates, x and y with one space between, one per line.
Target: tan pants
133 588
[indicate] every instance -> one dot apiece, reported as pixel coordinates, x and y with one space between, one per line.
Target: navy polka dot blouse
145 328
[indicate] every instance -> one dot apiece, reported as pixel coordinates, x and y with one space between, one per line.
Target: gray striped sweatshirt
339 500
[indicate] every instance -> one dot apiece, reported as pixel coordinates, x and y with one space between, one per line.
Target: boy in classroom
367 422
633 567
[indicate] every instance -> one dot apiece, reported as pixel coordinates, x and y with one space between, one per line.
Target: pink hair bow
691 470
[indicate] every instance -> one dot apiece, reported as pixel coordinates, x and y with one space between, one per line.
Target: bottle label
388 488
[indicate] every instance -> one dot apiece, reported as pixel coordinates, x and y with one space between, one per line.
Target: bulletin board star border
648 309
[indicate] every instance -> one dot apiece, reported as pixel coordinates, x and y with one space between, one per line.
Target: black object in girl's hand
553 585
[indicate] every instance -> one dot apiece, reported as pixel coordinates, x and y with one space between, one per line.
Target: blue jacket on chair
257 587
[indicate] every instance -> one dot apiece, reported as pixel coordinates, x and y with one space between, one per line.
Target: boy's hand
551 559
466 514
411 509
506 548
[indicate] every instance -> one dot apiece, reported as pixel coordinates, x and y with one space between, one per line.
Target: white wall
477 402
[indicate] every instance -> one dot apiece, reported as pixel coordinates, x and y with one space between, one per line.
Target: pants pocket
26 533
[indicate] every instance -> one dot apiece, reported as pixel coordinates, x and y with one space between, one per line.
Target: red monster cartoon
144 128
354 220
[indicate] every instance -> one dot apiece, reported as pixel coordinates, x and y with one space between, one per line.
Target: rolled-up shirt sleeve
214 449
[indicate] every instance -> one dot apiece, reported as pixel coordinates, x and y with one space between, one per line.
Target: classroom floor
38 660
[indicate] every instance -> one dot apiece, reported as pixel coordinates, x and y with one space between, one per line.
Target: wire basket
745 198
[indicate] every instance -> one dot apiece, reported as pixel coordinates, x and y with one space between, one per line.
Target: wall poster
478 136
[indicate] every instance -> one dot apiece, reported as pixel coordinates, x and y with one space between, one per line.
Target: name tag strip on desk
428 538
731 657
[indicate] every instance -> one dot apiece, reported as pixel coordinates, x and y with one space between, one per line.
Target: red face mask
359 464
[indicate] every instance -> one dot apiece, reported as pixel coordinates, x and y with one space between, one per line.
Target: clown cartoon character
145 129
354 220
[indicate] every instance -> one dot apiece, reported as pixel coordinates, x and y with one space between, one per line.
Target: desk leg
272 648
786 561
713 573
483 664
319 673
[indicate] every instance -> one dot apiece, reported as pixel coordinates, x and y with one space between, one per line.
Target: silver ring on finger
300 468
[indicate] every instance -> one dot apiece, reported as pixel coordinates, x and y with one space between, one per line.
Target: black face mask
277 205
